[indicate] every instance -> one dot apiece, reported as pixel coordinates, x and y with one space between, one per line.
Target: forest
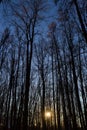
43 65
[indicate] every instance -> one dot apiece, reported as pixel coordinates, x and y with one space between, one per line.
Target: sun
48 114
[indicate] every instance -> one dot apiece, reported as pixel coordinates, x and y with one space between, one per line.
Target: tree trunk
80 20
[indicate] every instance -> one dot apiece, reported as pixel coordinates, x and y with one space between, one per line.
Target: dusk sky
6 17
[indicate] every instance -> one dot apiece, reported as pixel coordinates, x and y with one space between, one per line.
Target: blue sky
5 17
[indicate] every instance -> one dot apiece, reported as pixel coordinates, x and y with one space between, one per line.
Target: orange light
48 114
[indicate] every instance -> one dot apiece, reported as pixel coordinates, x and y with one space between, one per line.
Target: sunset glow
48 114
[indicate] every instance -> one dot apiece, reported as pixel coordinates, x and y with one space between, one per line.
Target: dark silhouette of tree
34 7
40 52
81 20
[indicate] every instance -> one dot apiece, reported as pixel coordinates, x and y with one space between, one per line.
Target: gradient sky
5 16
